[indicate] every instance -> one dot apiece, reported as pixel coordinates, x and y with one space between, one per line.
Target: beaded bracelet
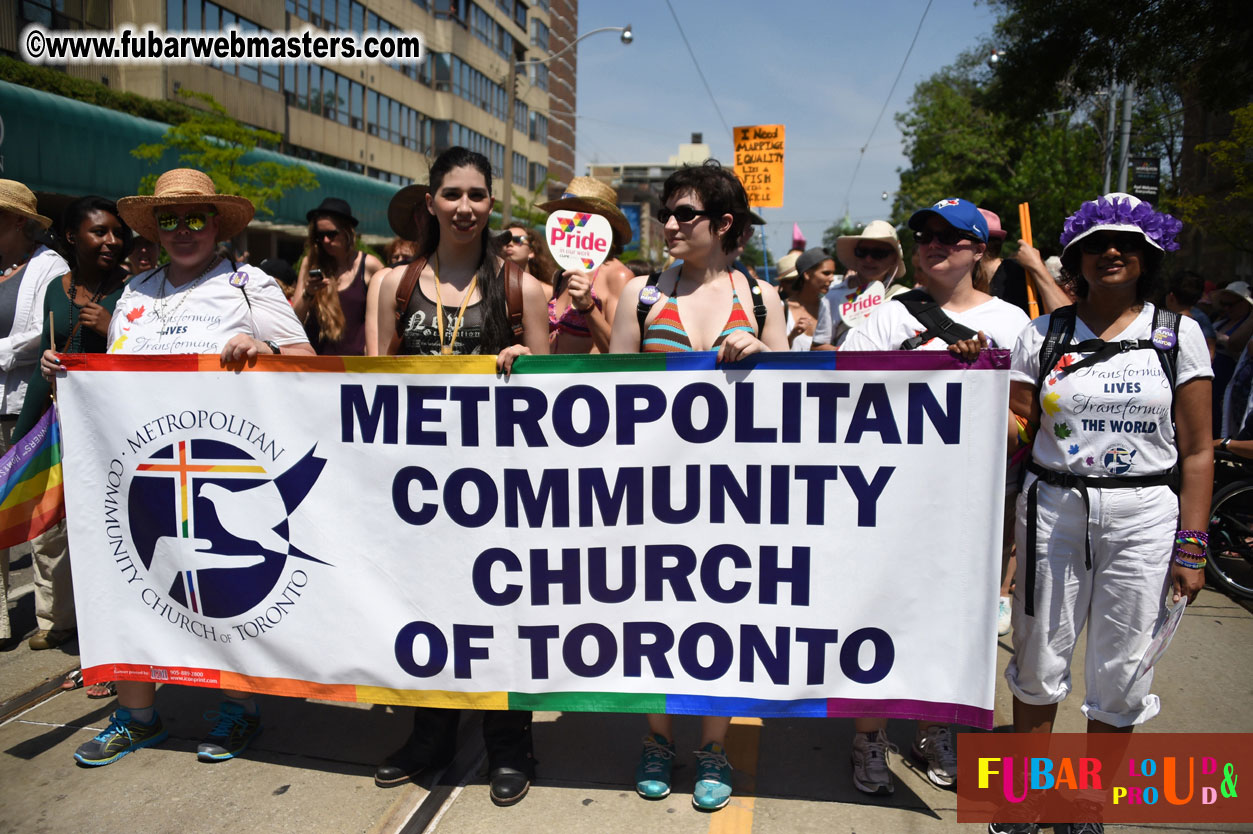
1203 535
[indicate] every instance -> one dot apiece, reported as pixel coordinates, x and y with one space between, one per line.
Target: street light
626 36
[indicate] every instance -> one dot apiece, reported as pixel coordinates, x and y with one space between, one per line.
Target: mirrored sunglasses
195 221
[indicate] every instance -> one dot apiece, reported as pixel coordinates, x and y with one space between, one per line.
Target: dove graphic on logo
214 526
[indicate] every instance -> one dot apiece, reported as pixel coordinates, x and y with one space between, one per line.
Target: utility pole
1109 135
1124 157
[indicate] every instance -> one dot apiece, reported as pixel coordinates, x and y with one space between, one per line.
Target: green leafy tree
215 143
1227 213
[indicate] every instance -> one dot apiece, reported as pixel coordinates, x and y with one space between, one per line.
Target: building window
539 128
536 175
538 75
519 14
539 34
519 170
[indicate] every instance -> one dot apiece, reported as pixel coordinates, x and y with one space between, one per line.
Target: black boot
430 746
510 758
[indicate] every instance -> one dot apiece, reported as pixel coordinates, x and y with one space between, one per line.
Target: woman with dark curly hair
1120 394
330 296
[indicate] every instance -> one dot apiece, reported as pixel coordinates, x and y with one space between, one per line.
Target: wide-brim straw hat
19 199
879 230
594 197
183 187
400 210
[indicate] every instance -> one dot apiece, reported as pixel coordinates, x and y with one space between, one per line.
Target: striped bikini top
666 334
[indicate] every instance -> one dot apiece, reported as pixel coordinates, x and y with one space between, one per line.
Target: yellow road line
743 742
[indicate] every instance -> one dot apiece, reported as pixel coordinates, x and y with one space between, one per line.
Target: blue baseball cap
962 215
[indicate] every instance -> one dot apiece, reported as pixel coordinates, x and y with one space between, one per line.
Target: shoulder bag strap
404 291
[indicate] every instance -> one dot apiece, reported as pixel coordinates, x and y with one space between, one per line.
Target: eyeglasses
947 237
195 221
683 214
518 239
875 253
1122 241
328 235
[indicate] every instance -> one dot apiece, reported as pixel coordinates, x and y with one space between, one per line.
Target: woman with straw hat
581 312
872 260
26 269
197 303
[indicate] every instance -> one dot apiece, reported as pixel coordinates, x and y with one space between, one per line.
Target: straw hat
400 210
19 199
880 230
595 197
182 187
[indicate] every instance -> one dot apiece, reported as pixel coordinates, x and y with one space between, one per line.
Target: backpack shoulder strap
512 275
937 323
1166 331
1060 333
648 297
759 305
404 291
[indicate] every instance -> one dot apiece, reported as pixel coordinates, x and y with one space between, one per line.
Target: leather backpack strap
404 291
513 297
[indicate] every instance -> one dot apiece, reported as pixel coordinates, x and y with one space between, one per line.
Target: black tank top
420 338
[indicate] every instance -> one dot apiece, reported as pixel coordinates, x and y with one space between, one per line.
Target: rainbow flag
32 498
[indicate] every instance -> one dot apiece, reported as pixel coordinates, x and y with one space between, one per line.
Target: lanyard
446 349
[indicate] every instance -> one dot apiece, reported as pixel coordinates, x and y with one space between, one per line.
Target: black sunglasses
948 237
1122 241
519 239
875 253
329 235
683 214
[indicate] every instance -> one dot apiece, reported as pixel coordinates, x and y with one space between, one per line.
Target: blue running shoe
124 735
234 731
713 778
652 776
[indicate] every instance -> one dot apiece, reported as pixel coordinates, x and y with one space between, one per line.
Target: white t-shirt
201 316
892 324
1111 418
840 294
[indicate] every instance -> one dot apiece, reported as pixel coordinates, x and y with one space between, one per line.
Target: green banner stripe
587 702
582 363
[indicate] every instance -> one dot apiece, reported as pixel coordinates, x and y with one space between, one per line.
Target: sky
821 68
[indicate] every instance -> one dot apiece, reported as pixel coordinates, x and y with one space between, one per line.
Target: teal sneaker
124 735
713 778
652 776
234 731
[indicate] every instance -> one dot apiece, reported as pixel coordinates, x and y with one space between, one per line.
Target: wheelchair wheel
1230 564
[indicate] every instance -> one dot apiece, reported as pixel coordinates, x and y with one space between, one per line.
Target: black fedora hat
333 205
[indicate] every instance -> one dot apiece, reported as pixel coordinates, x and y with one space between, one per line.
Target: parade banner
759 163
794 535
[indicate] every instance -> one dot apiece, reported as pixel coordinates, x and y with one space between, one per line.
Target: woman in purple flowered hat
1116 394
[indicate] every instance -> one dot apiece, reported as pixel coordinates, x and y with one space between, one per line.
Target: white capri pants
1120 598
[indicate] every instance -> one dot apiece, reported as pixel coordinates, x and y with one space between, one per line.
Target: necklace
446 349
161 306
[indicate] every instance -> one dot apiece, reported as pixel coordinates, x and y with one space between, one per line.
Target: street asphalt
311 769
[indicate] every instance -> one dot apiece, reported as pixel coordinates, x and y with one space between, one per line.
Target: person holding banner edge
458 283
1098 531
951 238
197 303
704 216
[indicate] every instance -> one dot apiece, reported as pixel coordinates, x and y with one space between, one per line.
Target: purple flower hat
1121 212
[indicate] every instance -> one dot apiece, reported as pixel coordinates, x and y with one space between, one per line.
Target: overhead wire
861 155
679 25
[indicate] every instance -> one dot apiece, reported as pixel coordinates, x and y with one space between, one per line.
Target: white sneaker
934 748
1004 615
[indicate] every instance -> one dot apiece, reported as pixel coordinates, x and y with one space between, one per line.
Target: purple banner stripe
919 360
907 708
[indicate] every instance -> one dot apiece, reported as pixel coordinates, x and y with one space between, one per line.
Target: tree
1228 213
215 143
960 145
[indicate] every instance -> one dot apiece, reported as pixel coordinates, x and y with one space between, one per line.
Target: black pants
506 734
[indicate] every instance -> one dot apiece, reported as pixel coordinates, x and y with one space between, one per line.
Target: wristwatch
1226 442
273 347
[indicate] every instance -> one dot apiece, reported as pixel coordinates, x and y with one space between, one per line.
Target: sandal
73 680
108 689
